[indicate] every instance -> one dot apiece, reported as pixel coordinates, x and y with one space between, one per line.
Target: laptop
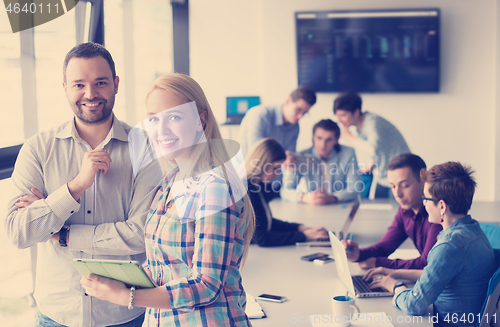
341 233
355 285
237 107
350 218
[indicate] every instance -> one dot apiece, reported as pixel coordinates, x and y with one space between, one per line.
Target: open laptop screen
236 107
350 218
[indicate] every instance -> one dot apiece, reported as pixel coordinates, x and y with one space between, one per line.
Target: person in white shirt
377 137
77 196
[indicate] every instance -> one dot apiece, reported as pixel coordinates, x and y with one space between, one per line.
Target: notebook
355 285
237 107
253 308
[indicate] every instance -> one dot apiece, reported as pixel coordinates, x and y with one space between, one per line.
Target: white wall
226 56
248 47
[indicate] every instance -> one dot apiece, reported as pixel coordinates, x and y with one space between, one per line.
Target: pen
350 239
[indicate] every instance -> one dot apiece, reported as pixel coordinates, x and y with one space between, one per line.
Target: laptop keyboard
363 287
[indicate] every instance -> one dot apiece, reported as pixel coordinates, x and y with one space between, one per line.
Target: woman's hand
314 233
106 289
351 250
386 282
378 271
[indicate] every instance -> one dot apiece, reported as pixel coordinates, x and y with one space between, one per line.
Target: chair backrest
492 232
490 313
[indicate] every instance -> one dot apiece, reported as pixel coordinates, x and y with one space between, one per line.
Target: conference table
310 288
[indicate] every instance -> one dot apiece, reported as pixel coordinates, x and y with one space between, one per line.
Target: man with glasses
279 122
403 173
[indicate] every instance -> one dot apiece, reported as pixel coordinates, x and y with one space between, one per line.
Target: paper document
405 254
253 308
371 319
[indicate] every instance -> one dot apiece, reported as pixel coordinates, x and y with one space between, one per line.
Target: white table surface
310 288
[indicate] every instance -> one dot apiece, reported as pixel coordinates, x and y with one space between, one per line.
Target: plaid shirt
194 246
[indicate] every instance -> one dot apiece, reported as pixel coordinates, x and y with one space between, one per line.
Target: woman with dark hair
263 165
461 262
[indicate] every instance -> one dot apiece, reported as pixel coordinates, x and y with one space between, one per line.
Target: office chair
491 310
492 232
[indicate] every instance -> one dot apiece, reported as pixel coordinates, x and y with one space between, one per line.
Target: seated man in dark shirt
403 172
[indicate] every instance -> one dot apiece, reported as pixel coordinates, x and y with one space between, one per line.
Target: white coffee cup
344 310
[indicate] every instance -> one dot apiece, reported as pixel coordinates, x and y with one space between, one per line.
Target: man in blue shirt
279 122
335 176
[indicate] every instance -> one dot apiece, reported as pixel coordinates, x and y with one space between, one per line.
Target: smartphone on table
271 298
314 256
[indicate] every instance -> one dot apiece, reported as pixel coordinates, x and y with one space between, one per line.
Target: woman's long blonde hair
263 153
205 156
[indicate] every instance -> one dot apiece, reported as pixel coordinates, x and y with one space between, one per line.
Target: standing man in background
376 137
280 123
76 196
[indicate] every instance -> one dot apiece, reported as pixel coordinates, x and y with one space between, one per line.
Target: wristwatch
62 236
398 284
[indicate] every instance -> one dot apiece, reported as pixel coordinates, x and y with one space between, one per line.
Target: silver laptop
355 285
355 206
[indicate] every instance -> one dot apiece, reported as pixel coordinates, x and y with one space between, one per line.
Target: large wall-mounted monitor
369 51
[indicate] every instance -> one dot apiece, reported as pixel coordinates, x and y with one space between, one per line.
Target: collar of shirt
278 113
317 155
467 220
422 213
117 132
169 174
462 221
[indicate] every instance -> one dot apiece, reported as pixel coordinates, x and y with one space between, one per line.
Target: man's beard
107 109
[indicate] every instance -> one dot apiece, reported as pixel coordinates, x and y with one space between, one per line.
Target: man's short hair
305 93
89 50
331 126
453 183
347 101
410 160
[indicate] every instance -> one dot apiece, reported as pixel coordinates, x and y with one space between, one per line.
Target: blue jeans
44 321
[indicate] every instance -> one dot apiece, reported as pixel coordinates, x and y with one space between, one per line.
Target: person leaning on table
263 163
461 262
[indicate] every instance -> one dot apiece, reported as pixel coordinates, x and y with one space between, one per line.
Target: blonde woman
263 164
200 223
